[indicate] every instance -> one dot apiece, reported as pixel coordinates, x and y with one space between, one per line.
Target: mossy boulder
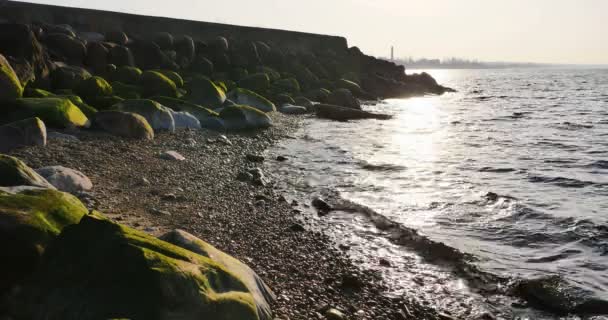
27 132
290 85
36 93
97 56
117 37
304 102
241 117
343 97
258 82
349 85
55 112
318 95
255 285
30 219
156 114
155 83
10 86
272 74
250 98
199 112
85 108
13 173
121 56
94 87
205 93
124 124
104 103
282 99
174 76
126 91
127 75
68 47
202 65
68 77
131 275
237 74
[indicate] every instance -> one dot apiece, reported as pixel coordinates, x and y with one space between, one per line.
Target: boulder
68 77
97 56
36 93
318 95
199 112
30 218
213 123
126 91
66 179
67 47
291 109
117 37
76 100
93 87
219 45
185 120
13 173
202 66
10 86
282 99
154 83
131 275
127 75
104 102
301 101
174 76
261 293
124 124
28 132
163 39
338 113
344 98
241 117
172 155
89 37
250 98
185 48
258 82
290 85
19 40
56 112
148 55
121 56
349 85
205 93
158 116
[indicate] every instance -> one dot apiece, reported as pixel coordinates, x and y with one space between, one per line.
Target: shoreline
202 195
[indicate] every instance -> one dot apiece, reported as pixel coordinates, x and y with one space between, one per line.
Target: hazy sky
564 31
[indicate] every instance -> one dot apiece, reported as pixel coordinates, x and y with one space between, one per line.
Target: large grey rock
185 120
291 109
28 132
242 117
66 179
124 124
158 116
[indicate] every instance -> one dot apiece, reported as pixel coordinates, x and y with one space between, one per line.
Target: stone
262 295
97 56
283 99
291 109
62 136
223 139
338 113
282 158
121 56
93 87
10 86
334 314
124 124
201 113
30 219
136 276
126 91
296 227
127 75
244 176
318 95
257 82
202 66
28 132
163 39
155 83
172 155
174 76
158 116
321 205
350 86
343 98
205 93
289 85
117 37
185 48
68 77
185 120
14 173
254 158
68 47
55 112
21 40
66 179
242 117
246 97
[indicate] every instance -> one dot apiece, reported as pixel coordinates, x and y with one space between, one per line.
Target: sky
551 31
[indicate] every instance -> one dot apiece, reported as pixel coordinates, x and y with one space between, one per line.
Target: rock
173 76
104 102
68 77
28 132
89 37
223 139
186 50
384 262
282 158
62 136
160 212
127 75
163 39
36 93
205 93
172 155
121 56
68 47
262 295
219 44
97 56
296 227
124 124
199 112
117 37
283 99
10 86
30 218
66 179
332 112
244 176
202 66
319 95
351 282
343 98
321 205
334 314
291 109
254 158
257 82
147 276
258 176
350 86
20 40
126 91
93 87
148 55
249 98
154 83
242 117
13 173
158 117
289 85
185 120
301 101
54 112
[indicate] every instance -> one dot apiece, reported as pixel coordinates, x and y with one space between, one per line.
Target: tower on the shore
392 53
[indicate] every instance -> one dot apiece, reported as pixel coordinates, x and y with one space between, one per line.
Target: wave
561 181
387 167
496 170
573 126
600 164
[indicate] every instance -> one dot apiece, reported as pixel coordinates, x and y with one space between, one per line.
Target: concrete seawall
103 21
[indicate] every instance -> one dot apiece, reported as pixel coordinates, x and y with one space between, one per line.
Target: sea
487 203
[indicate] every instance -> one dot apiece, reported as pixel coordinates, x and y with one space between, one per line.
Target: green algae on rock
250 98
289 85
155 83
156 114
127 75
258 82
55 112
105 102
93 87
205 93
36 93
124 124
131 275
174 76
241 117
10 86
30 218
126 91
27 132
13 172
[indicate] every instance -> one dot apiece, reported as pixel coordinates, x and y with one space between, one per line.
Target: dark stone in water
282 158
254 158
321 205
